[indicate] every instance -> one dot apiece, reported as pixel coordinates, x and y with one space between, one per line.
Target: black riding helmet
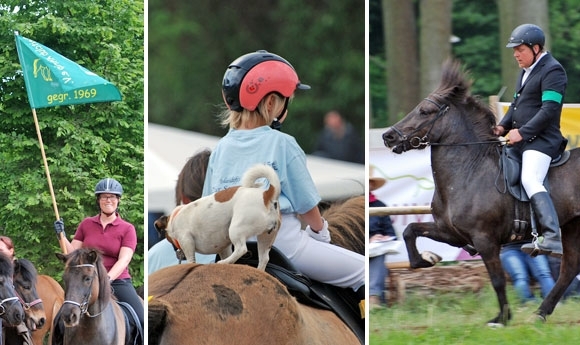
528 34
252 76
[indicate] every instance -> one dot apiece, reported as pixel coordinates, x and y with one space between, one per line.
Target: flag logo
52 79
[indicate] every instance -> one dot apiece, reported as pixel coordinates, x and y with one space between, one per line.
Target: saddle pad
134 333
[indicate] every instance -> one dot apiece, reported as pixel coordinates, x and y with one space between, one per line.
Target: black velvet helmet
528 34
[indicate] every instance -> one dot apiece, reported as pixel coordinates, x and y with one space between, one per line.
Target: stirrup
535 251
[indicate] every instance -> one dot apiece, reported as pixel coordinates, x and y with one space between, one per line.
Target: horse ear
92 256
16 264
61 257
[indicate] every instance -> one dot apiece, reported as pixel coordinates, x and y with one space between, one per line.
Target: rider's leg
535 166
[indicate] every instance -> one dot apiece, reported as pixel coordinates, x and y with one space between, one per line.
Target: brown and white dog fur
211 225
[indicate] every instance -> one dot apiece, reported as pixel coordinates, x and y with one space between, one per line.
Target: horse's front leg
429 230
490 256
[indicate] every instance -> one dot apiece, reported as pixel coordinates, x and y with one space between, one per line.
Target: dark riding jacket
537 107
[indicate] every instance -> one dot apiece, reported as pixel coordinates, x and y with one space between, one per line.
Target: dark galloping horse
468 206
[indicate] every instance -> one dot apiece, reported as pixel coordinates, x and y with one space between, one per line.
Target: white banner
409 183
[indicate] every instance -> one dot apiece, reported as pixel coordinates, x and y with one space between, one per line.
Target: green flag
51 79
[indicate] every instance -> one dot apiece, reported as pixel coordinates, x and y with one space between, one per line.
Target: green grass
460 318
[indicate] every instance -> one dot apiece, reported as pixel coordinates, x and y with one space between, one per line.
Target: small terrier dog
210 225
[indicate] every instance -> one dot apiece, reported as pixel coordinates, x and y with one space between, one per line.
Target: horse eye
87 279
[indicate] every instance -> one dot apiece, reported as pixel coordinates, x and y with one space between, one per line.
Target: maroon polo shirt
109 240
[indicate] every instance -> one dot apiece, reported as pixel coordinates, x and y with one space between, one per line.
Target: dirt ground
462 276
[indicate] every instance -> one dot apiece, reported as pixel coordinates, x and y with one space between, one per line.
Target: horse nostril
18 317
41 322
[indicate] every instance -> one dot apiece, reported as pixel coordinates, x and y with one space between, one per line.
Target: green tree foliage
83 143
191 44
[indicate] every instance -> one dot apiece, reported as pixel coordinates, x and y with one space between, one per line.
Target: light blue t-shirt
239 150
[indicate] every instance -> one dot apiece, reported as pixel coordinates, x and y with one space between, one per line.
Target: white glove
323 235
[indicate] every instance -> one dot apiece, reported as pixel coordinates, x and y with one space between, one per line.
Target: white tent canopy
169 148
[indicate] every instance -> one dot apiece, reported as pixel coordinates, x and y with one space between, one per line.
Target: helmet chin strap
535 54
277 123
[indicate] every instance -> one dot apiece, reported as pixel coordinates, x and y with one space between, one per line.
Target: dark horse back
565 187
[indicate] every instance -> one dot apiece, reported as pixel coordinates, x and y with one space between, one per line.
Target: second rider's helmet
108 185
251 77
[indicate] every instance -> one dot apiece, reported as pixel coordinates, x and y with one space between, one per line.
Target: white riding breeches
535 165
319 261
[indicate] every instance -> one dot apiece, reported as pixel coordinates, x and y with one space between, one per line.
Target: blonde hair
235 119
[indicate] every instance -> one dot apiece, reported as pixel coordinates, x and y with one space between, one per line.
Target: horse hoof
493 324
431 258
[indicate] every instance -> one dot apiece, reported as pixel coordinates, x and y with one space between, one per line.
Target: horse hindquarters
222 304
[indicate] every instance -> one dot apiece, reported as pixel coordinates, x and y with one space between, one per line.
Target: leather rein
416 142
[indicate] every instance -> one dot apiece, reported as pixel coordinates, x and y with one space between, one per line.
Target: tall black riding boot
549 226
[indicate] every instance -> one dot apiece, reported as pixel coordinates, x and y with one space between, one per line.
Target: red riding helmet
252 76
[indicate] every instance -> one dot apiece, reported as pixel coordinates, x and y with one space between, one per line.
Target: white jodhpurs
319 261
535 165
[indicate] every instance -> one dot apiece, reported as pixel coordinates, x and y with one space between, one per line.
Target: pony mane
346 223
455 88
6 266
26 270
92 256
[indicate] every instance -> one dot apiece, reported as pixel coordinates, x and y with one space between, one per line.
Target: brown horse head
25 279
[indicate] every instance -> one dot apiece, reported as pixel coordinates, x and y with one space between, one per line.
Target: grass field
460 318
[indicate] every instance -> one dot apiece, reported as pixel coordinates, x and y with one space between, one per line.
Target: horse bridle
84 305
9 299
27 305
415 141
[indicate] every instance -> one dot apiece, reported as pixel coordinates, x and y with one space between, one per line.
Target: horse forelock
455 89
83 256
26 269
6 266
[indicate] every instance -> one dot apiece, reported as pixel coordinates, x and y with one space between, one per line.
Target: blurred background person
339 140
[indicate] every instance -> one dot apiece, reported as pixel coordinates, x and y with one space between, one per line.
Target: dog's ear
160 225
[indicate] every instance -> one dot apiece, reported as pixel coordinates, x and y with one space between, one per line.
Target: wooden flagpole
61 239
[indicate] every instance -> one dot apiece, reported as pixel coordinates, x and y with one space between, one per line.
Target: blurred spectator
339 140
188 188
381 232
521 267
152 235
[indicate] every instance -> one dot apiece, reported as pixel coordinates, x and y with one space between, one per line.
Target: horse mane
455 88
6 266
92 256
26 270
346 223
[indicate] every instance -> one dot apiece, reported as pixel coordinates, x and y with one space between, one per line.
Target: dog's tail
262 171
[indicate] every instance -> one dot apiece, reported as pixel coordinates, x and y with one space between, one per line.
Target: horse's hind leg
569 267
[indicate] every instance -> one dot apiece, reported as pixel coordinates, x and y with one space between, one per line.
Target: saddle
511 165
343 302
134 332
